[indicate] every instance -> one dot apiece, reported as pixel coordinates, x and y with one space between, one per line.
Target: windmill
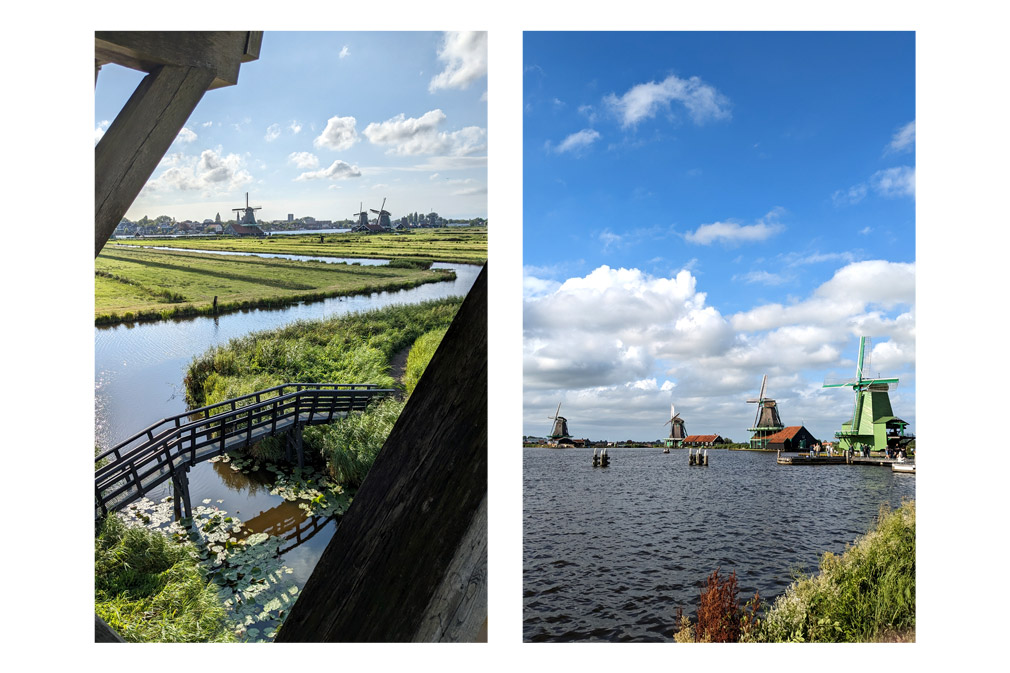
362 218
248 216
382 219
560 429
766 421
677 429
873 424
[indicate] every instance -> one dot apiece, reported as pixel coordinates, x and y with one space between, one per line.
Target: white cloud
734 233
295 127
273 133
602 344
338 170
207 125
903 139
577 141
344 51
420 135
303 159
465 58
213 172
100 129
339 134
764 278
893 182
186 135
850 196
433 176
643 101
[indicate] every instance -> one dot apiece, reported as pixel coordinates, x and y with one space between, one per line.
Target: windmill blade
764 380
558 412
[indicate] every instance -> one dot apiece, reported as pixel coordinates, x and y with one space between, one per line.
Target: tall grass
350 445
149 589
865 594
355 348
419 357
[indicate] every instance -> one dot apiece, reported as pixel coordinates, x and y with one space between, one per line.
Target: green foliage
150 589
419 357
355 348
350 445
866 594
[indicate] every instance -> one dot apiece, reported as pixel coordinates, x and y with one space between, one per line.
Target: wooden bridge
166 450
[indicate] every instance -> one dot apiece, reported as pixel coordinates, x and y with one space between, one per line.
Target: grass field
138 283
467 245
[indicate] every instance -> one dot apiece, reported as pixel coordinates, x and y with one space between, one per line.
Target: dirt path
399 365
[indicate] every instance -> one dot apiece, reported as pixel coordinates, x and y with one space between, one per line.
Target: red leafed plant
720 617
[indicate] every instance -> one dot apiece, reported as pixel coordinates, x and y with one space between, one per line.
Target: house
243 230
793 438
703 440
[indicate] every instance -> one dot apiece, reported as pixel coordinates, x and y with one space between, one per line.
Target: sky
703 209
324 122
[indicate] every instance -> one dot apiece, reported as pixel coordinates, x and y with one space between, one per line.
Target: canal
609 554
139 370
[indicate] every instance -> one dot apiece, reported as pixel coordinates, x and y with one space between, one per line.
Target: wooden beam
409 559
145 128
105 633
221 51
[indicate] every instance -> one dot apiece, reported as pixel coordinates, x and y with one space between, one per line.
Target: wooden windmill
766 421
677 429
382 215
873 425
362 218
560 429
248 214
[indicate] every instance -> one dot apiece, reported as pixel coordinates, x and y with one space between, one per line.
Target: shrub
866 594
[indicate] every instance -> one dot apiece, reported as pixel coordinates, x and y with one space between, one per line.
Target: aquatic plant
149 588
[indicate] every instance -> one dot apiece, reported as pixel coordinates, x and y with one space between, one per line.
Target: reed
150 589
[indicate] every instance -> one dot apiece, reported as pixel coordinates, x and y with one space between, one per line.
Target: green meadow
464 245
134 283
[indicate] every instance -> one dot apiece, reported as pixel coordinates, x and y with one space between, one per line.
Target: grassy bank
467 245
866 594
141 284
354 348
151 589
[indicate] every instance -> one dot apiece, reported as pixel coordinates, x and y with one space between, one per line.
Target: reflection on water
139 367
610 554
139 370
361 261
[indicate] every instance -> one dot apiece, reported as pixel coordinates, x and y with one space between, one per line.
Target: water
609 554
362 261
139 369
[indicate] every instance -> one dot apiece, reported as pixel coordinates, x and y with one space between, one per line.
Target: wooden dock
807 459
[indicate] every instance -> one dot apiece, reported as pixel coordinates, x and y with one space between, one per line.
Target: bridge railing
153 455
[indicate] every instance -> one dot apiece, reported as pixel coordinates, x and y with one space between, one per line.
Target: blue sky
324 121
701 209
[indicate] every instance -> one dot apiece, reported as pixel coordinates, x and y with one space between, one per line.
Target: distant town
245 224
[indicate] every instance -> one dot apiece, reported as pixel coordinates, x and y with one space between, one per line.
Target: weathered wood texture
104 633
130 150
181 66
221 51
409 559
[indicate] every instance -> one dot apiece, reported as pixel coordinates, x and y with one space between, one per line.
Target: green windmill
873 424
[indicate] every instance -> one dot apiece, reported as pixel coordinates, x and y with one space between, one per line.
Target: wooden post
130 150
408 561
